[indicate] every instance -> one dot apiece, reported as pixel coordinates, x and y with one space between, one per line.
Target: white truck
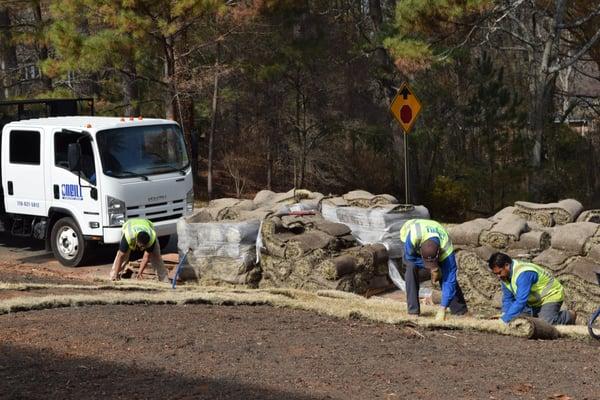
73 181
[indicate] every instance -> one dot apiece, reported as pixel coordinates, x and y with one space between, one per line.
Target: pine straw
329 303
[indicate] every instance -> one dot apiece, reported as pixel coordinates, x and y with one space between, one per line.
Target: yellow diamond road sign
406 107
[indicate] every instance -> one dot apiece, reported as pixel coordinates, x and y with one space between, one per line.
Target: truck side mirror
74 156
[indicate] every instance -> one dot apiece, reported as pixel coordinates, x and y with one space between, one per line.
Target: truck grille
157 212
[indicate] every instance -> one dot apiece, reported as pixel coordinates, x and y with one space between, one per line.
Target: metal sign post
406 198
406 108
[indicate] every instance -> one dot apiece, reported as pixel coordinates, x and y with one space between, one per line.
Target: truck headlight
189 202
116 211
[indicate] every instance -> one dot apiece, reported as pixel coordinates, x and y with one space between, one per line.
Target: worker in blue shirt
427 245
528 288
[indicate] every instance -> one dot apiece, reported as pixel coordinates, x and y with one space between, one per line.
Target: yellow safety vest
424 229
133 226
547 289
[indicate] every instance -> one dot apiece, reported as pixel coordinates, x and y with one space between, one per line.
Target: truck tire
67 242
163 241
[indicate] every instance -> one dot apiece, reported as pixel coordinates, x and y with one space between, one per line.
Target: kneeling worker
527 287
427 245
139 234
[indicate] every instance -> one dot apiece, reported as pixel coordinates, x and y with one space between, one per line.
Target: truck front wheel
68 244
163 241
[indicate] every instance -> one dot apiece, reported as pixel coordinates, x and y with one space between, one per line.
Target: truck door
72 190
23 172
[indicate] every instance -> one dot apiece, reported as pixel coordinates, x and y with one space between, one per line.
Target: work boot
572 317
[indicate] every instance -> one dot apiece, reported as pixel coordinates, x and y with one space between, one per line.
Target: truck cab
73 181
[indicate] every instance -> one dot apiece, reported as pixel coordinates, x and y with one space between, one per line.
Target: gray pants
155 260
551 313
458 305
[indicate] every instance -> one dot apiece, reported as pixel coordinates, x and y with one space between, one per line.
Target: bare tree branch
580 21
577 55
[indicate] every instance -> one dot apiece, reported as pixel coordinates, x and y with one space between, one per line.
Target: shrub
448 199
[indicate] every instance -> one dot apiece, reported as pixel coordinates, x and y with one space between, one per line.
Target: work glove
441 314
436 275
428 300
499 320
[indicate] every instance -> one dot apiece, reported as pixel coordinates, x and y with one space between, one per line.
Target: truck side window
61 145
88 168
24 147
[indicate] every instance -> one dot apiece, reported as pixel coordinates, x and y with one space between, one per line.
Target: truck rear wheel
67 242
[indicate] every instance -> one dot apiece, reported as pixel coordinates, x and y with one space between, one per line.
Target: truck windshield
142 150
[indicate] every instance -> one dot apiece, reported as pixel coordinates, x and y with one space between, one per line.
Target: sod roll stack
553 235
308 252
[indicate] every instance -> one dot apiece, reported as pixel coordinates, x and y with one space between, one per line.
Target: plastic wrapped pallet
379 224
222 251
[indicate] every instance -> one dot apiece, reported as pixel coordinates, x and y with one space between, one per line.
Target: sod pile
221 239
557 236
308 252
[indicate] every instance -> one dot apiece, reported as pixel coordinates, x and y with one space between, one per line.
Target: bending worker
427 245
139 234
528 288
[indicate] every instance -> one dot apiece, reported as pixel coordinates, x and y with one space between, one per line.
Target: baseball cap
430 251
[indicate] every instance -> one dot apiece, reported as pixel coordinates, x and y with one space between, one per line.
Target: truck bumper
163 228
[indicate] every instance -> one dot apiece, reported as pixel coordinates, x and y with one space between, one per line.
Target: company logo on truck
157 198
71 192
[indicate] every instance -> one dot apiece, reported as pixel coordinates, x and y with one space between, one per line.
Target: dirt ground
245 352
219 352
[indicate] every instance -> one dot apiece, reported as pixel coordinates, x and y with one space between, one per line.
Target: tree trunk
492 193
269 162
195 136
169 77
213 124
545 82
541 115
298 173
42 49
8 56
130 93
413 173
303 157
185 108
375 13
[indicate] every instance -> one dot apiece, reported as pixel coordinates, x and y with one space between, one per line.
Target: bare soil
244 352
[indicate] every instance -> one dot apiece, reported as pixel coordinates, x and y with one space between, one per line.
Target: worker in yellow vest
528 288
427 246
139 234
